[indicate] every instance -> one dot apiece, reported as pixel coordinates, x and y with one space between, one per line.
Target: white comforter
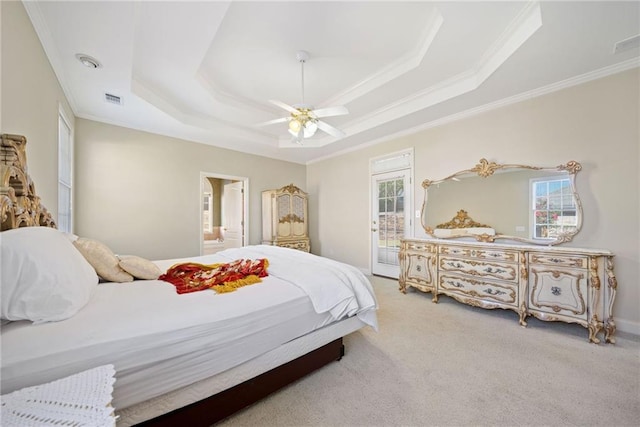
350 292
159 340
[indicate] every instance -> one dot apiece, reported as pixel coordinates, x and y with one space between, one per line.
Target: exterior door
390 220
232 213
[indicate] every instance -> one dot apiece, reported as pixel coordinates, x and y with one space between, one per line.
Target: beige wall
596 123
31 95
140 192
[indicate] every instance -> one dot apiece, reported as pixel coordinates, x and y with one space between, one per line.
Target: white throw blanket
311 273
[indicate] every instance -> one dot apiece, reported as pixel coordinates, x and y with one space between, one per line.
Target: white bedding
159 341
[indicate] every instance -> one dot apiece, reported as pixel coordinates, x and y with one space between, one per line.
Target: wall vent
113 99
627 44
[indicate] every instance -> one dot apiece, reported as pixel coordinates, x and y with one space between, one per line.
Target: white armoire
284 218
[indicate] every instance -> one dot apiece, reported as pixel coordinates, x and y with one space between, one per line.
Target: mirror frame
485 169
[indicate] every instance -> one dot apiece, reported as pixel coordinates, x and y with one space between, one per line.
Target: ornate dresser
553 284
527 273
284 218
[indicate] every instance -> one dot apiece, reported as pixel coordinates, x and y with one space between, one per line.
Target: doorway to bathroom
223 212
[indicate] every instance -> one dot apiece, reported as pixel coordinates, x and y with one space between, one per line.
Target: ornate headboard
19 205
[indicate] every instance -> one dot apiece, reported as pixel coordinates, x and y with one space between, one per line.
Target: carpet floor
449 364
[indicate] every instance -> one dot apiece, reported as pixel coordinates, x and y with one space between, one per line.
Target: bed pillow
139 268
43 277
102 259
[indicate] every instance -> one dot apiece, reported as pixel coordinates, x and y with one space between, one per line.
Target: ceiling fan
303 120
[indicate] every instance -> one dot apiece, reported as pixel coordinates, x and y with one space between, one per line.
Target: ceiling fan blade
330 129
284 106
274 121
330 111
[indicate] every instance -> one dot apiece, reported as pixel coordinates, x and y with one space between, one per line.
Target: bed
191 358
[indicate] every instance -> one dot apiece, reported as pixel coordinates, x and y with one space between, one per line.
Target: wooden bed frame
21 207
219 406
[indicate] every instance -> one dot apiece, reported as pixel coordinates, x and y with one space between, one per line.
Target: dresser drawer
415 245
481 253
301 245
502 293
574 261
419 269
560 291
480 269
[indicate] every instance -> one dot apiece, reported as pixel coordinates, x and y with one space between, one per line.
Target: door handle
374 229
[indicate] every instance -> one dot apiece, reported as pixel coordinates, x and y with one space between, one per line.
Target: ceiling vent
627 44
113 99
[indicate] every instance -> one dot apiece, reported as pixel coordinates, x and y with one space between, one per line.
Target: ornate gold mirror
537 205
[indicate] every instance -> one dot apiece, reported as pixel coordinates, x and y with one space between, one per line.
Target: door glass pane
298 207
390 205
390 190
390 220
284 207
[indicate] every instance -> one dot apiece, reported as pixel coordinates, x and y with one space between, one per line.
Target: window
553 207
65 166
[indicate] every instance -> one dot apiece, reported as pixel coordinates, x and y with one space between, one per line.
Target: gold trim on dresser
549 283
612 288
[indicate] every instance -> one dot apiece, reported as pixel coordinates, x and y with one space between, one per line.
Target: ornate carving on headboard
19 204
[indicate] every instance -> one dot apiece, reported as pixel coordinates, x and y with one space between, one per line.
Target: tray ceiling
205 71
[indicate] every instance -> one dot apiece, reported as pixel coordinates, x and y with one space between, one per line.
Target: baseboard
627 326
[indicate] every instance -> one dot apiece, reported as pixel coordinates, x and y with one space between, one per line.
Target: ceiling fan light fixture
310 129
294 126
304 121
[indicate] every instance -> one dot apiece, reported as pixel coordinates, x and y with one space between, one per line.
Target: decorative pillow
139 268
43 277
102 259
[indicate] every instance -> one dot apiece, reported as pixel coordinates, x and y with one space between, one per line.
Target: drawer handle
557 291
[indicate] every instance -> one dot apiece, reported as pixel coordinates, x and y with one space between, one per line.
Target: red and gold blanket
222 277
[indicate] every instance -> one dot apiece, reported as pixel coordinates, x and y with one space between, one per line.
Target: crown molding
515 35
173 109
565 84
394 70
226 98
